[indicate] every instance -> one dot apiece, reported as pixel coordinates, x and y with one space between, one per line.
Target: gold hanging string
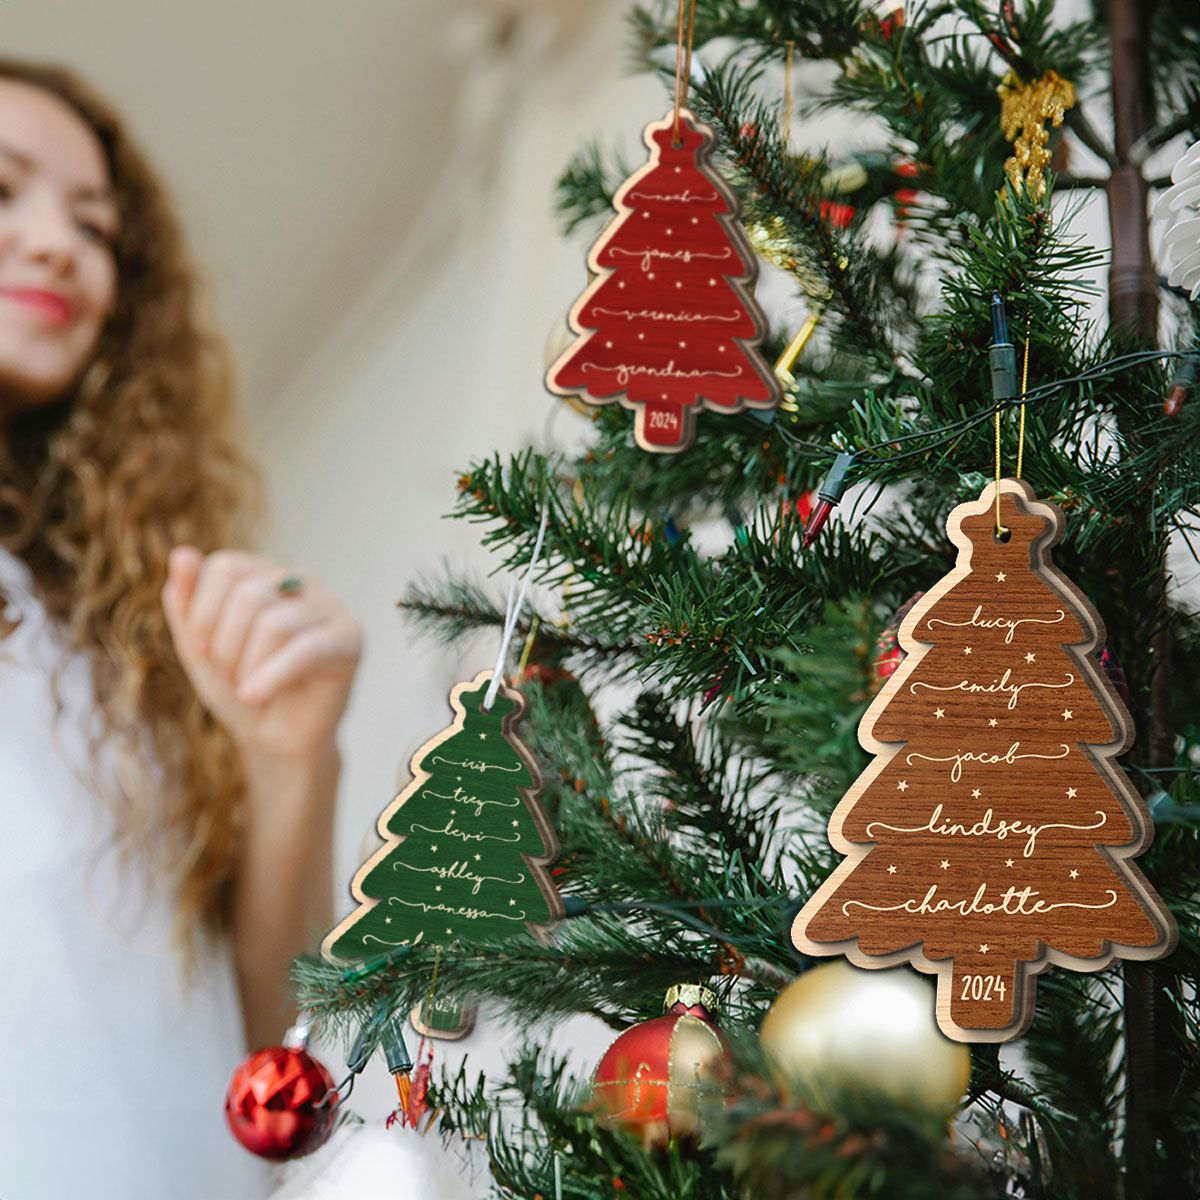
687 62
1020 427
999 523
1024 389
787 360
683 57
679 68
527 649
404 1078
437 962
789 55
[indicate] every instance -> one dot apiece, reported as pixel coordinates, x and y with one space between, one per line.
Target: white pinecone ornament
1180 204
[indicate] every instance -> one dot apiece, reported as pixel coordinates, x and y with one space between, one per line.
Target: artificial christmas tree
720 668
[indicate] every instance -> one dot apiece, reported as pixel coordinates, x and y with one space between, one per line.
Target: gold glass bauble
839 1026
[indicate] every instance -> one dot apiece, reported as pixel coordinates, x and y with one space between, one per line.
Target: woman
168 752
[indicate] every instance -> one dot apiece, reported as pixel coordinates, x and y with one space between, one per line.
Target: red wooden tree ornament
992 835
666 325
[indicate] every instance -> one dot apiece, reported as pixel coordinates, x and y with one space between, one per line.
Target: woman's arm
276 670
284 899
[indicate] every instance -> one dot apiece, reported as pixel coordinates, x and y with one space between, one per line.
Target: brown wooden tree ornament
991 837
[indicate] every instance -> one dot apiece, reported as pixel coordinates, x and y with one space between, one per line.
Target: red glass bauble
888 652
543 673
888 656
653 1078
1114 671
271 1104
805 503
836 213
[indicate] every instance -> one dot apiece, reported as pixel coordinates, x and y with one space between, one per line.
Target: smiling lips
54 307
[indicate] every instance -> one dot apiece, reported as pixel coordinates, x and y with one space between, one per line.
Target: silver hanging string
513 612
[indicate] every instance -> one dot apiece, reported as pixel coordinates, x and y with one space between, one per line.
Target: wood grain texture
667 325
991 837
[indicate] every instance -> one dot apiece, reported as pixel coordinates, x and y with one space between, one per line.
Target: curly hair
96 488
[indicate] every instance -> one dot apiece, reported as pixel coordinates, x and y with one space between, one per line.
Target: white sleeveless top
112 1079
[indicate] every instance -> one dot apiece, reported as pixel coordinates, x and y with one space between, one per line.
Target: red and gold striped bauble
654 1077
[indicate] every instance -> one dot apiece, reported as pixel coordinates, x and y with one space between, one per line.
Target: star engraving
993 722
939 713
1008 862
478 857
1071 793
514 824
483 737
511 903
1001 577
902 785
975 793
966 649
387 920
1073 874
1031 657
983 949
945 864
891 868
1068 715
433 848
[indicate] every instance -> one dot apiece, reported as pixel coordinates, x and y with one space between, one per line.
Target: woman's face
58 219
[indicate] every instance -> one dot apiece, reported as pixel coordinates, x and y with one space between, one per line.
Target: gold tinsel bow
1024 110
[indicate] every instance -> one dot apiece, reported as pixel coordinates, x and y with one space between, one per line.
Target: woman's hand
275 670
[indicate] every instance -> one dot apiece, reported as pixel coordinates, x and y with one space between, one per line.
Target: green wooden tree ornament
466 845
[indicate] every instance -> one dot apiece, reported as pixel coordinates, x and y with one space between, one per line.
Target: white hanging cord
513 613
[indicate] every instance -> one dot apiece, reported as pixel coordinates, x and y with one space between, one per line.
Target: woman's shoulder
15 573
19 605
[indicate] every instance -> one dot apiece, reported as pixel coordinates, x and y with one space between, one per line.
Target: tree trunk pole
1133 312
1132 281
